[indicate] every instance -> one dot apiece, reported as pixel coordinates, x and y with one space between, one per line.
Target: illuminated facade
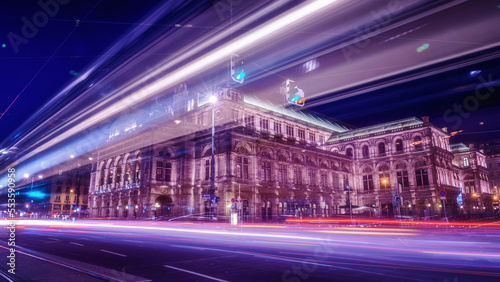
279 161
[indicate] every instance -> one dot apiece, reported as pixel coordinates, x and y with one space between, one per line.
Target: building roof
299 115
459 148
374 129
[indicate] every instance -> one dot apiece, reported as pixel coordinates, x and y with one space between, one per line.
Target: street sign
153 208
443 198
206 197
233 206
460 199
213 199
239 199
442 193
233 200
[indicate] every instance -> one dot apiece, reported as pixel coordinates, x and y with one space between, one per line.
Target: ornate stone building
279 161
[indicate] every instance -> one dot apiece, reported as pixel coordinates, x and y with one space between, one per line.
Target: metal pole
212 164
350 204
212 172
444 207
78 192
239 203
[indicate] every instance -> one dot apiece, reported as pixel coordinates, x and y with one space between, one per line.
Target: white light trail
287 22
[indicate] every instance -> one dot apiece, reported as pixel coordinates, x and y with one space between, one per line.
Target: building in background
279 162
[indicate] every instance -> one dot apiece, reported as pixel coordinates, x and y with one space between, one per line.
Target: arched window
101 182
207 169
417 141
110 174
137 172
118 173
365 151
348 152
466 161
168 172
399 145
128 173
381 148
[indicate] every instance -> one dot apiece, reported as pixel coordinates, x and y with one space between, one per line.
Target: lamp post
238 202
32 179
213 100
349 199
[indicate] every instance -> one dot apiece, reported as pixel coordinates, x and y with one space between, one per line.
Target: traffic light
218 199
237 71
27 205
293 93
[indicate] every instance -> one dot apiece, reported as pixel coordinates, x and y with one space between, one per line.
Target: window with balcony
265 171
312 137
249 121
323 179
282 173
159 174
311 177
348 152
242 168
168 172
402 177
302 134
381 148
365 151
469 186
277 127
297 175
417 141
368 182
399 145
422 177
289 131
264 124
336 181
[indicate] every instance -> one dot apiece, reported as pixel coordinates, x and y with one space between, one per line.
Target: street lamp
239 202
212 99
349 199
32 179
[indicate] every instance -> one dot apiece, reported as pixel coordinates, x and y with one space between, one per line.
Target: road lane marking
82 269
196 273
102 250
81 245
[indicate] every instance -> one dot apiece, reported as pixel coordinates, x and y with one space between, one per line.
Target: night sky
39 61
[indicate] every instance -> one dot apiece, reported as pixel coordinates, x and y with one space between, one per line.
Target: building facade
279 162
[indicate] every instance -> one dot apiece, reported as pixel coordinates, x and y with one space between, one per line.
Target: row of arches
120 170
289 157
382 148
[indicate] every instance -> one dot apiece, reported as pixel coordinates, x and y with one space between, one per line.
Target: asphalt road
142 251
